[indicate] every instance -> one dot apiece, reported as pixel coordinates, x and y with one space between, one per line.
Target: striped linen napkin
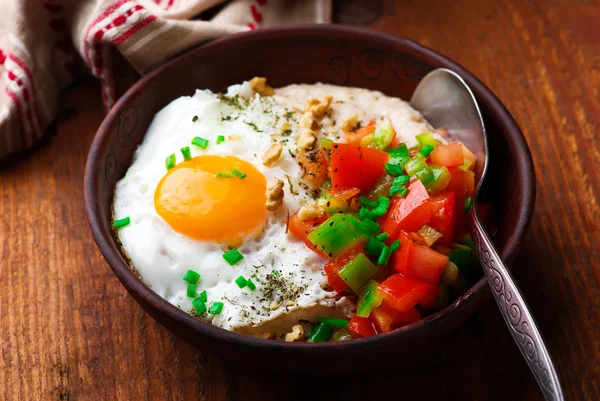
46 44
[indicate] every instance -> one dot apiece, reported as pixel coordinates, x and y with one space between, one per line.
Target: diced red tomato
409 213
403 293
443 207
450 155
300 229
356 167
468 155
462 182
314 164
354 138
463 185
418 261
332 267
386 318
361 327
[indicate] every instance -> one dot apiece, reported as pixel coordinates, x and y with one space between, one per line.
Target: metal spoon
444 99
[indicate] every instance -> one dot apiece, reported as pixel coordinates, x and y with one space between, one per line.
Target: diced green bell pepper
369 299
370 227
326 144
320 333
426 138
399 156
337 234
384 134
342 335
358 272
418 167
441 178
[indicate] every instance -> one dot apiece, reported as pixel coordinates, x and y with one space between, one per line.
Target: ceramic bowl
324 53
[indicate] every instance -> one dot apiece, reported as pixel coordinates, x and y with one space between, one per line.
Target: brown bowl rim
517 144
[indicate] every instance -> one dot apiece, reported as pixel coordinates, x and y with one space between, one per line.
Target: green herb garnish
122 222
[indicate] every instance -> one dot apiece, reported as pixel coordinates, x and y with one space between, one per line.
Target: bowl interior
329 54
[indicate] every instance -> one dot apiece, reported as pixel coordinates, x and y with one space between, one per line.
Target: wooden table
69 331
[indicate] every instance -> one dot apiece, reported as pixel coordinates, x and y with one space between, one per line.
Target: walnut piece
350 123
306 141
307 120
296 334
272 155
319 109
310 211
259 85
274 194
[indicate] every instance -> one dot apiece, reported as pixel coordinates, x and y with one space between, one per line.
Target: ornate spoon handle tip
516 313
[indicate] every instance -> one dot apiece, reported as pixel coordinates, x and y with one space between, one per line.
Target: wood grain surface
69 331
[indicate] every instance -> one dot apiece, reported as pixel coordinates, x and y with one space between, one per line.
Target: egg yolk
197 203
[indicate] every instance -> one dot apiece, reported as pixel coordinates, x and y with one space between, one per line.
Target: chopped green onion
220 139
191 277
204 296
122 222
275 272
251 284
199 306
320 333
426 150
341 323
403 193
399 156
170 161
385 256
241 281
401 180
365 202
382 236
238 173
394 246
468 204
200 142
393 169
191 291
366 214
382 208
224 175
233 256
186 153
395 189
216 308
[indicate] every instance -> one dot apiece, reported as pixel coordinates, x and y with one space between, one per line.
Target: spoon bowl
445 100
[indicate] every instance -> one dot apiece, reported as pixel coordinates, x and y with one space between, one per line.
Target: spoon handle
516 313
